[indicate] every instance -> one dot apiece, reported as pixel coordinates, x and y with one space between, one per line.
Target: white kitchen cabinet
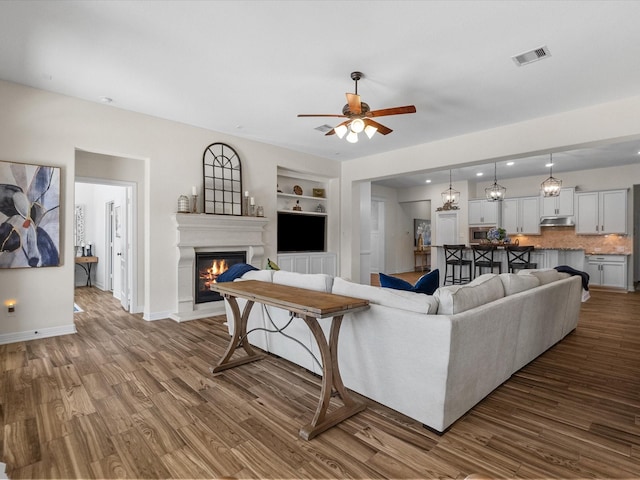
607 270
483 212
600 213
521 215
562 205
309 262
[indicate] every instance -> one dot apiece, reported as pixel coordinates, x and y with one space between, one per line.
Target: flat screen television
298 232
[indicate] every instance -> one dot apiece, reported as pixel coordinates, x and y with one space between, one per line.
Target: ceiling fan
359 116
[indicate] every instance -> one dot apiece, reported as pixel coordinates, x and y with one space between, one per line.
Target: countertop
564 249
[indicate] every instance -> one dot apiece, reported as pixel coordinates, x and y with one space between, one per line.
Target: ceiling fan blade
333 130
392 111
381 128
320 115
355 106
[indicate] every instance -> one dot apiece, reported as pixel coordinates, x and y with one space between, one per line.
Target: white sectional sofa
431 358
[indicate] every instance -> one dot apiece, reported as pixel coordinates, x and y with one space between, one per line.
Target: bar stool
483 257
519 257
453 258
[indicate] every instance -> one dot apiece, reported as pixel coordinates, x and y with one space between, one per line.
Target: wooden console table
310 305
425 259
86 263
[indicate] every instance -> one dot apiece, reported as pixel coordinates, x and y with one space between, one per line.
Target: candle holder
194 203
245 206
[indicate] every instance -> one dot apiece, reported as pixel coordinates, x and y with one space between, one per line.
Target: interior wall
47 129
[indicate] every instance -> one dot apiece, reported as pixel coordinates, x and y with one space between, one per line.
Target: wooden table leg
239 338
331 378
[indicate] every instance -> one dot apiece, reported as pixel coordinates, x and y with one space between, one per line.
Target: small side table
86 263
425 259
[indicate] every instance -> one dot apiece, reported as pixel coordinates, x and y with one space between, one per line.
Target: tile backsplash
565 237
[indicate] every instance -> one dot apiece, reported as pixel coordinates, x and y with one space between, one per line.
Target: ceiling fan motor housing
348 113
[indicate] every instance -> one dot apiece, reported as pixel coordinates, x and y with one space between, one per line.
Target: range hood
557 222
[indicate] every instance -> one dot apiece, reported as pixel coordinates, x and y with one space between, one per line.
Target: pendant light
496 192
450 197
551 186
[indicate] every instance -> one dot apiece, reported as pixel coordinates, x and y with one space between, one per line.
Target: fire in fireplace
209 265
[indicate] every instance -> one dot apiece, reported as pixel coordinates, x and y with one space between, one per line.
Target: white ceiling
247 68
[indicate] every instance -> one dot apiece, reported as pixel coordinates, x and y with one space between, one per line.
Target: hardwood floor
125 398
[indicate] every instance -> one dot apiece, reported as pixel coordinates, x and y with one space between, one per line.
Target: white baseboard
150 317
35 334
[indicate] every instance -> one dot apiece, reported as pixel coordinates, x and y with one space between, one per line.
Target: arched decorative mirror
222 180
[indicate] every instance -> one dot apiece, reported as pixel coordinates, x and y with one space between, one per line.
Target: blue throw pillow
235 271
427 283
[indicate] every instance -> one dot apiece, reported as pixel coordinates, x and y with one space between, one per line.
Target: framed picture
421 227
29 215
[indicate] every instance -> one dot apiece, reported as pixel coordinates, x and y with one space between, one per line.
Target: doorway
108 207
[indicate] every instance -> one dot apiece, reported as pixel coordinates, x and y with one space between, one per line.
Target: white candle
253 201
194 191
246 193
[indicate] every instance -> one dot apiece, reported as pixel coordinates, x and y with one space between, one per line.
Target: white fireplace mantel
204 233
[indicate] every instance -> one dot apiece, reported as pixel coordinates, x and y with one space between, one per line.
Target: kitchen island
543 257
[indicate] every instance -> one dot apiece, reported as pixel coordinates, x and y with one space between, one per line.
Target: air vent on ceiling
532 56
324 128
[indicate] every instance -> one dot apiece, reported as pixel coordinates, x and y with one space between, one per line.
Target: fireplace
224 234
208 266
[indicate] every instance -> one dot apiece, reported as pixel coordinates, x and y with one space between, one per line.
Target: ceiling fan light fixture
359 114
357 125
370 130
551 186
496 192
341 130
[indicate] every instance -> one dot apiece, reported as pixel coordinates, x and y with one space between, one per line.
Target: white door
125 249
109 245
377 236
447 228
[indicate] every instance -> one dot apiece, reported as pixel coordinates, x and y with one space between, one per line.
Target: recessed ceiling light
479 174
427 181
106 100
509 164
548 165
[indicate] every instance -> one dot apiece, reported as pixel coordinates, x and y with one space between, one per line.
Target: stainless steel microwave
478 235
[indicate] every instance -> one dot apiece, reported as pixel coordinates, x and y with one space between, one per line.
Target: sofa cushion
427 283
262 275
234 271
312 281
413 302
514 283
460 298
545 275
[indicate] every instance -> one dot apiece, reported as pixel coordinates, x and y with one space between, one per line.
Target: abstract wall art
29 215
